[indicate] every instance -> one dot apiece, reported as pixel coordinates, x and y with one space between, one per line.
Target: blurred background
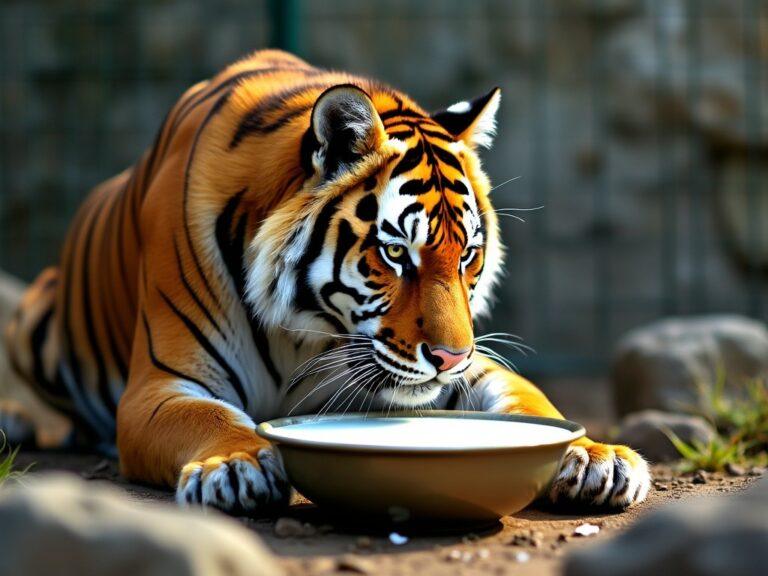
638 125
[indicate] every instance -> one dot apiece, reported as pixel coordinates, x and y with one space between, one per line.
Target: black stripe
380 310
386 226
402 112
111 263
255 122
410 209
215 109
72 360
410 160
111 314
396 365
447 158
86 300
436 135
304 298
232 377
157 408
162 366
233 81
37 341
190 289
232 246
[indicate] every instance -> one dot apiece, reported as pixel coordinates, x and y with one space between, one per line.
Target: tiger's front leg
204 447
591 472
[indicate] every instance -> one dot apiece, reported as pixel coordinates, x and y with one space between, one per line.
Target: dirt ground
532 542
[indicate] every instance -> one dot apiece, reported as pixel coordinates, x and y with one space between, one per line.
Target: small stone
522 557
483 553
398 539
364 542
289 528
755 471
562 538
700 477
454 555
660 487
586 529
355 564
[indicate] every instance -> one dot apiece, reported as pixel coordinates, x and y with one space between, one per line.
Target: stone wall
639 125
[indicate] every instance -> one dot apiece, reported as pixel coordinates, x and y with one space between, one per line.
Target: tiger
294 241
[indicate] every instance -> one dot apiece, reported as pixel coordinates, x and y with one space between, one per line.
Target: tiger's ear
346 127
474 122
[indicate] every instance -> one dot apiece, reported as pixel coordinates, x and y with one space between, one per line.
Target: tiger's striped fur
285 218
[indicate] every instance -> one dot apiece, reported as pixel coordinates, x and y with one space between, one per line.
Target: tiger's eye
395 251
467 253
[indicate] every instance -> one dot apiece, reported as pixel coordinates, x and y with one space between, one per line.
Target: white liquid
423 433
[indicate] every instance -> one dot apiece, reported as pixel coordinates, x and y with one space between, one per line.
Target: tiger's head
391 242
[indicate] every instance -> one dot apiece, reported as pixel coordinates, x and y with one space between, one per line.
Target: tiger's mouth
411 395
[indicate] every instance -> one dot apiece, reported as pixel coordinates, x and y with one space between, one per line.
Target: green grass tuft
7 460
741 424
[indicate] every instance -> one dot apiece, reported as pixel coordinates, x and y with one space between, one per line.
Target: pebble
292 528
735 469
660 487
522 557
700 477
364 542
529 538
586 529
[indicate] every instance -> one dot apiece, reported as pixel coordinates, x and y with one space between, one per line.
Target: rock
700 477
86 529
644 431
659 366
585 530
706 537
288 528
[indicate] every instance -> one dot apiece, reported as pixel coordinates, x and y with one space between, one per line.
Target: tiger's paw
239 483
597 474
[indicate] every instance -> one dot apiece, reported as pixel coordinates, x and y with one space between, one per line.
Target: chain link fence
639 126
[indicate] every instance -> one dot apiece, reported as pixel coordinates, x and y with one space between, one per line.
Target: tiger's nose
442 358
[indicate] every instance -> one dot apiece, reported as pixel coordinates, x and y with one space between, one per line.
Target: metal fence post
284 25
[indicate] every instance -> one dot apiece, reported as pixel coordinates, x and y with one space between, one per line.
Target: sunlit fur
295 240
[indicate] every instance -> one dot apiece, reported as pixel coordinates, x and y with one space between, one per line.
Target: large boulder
703 537
645 431
659 366
65 526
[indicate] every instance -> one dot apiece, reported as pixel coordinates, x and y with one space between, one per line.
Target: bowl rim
268 431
